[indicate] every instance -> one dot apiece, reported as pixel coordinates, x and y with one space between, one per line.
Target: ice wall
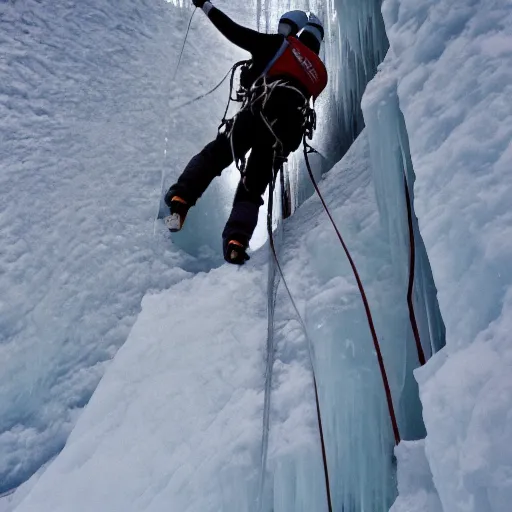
77 188
452 65
355 46
393 177
124 456
356 423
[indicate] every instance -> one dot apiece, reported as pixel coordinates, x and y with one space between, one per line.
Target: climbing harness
256 99
184 43
240 93
293 63
412 266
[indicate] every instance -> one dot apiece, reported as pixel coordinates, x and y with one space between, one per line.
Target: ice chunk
417 492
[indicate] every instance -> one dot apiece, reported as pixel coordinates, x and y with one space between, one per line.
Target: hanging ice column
393 177
355 45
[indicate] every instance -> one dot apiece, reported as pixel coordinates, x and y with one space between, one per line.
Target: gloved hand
199 3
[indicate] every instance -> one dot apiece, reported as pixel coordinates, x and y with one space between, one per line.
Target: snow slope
84 115
175 421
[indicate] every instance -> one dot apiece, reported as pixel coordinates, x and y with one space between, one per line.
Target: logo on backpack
306 65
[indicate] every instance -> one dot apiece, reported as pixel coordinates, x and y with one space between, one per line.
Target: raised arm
246 38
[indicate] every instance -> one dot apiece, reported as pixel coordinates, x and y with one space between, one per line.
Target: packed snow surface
85 108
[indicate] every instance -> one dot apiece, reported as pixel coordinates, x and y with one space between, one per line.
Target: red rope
412 266
369 317
322 442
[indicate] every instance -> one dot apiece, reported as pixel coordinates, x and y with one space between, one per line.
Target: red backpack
295 60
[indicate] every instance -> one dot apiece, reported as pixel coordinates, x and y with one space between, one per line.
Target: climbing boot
179 209
235 252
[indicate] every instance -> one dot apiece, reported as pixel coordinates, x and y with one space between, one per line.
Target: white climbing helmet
291 22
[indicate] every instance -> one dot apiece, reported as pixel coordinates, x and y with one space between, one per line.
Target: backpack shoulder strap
280 52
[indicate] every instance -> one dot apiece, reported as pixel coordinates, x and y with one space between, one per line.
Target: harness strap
239 97
256 100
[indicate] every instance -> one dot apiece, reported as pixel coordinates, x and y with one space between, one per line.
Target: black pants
248 132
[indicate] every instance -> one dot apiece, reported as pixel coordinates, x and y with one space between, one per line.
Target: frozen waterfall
140 374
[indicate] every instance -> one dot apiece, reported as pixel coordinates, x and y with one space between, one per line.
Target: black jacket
262 47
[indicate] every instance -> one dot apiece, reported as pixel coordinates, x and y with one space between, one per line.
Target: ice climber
284 75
